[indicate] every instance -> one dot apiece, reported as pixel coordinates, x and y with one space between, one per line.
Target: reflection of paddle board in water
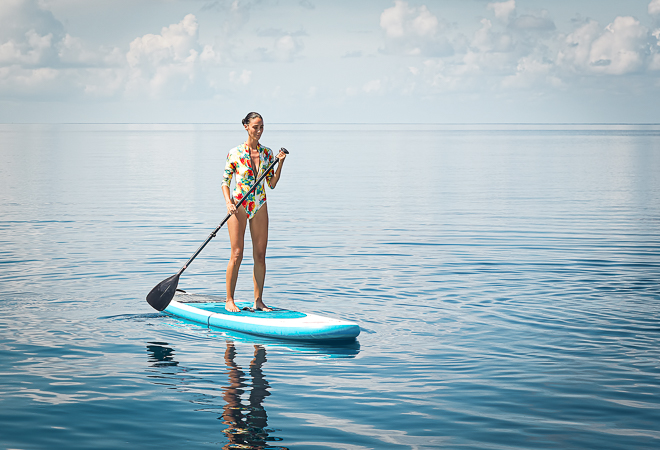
279 323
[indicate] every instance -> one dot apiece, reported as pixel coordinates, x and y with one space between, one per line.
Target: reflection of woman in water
246 425
246 431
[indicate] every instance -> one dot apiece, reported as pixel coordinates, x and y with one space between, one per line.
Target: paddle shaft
212 235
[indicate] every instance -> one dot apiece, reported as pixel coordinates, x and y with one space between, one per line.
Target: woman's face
255 128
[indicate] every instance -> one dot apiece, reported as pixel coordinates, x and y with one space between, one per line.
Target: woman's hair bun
250 116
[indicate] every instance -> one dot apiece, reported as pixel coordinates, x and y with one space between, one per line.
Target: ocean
505 279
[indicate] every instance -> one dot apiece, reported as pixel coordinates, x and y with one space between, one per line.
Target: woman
247 162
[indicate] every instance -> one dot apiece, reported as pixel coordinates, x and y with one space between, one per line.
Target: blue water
505 279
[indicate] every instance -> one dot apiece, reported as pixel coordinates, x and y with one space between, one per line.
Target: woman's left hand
281 155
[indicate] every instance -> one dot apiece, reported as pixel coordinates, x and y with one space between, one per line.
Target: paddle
161 295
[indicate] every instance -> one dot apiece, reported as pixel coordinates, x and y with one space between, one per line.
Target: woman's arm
276 176
227 175
231 207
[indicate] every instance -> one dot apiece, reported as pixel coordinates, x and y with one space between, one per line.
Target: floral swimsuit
239 163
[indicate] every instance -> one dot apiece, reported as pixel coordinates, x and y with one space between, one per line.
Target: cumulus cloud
40 59
176 43
32 50
29 35
285 46
413 31
487 39
524 50
37 55
32 38
654 7
373 86
531 71
169 63
241 79
483 60
502 10
576 49
619 48
506 12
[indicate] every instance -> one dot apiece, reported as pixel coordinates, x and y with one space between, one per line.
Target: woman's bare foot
260 306
231 306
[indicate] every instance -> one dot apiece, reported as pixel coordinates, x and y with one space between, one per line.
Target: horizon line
333 123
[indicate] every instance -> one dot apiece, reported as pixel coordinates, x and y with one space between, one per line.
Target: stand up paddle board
280 323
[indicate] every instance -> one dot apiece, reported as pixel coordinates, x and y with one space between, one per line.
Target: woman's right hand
231 208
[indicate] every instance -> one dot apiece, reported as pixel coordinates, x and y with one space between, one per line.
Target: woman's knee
259 256
237 254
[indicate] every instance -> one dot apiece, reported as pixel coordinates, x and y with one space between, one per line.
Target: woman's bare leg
259 234
236 226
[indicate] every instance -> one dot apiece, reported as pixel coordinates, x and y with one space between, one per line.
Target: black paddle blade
163 293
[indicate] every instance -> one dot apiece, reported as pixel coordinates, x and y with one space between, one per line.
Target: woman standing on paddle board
247 162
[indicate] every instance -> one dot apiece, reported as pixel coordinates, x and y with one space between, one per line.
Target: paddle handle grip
212 235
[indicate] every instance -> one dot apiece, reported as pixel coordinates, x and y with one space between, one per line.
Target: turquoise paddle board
280 323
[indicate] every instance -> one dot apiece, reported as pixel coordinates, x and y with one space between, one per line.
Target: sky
332 61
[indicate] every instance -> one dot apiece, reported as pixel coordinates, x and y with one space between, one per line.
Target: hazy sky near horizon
469 61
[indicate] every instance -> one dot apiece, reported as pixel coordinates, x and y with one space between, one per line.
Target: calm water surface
505 279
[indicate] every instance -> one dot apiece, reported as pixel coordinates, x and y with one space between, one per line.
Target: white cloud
43 60
287 48
530 72
209 55
33 50
503 10
506 13
74 52
576 49
37 77
413 31
620 49
373 87
654 63
284 47
29 34
528 52
392 20
43 83
176 44
104 83
242 79
169 64
485 39
654 7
